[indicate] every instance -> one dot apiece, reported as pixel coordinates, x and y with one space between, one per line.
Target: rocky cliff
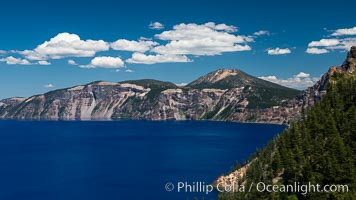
313 94
225 94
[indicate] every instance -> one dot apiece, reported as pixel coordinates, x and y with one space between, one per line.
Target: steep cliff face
313 94
221 95
93 101
225 94
305 100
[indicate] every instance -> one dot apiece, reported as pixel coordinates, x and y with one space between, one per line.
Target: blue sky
50 45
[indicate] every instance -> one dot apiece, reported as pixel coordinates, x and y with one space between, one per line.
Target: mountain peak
231 78
352 52
220 74
219 79
350 64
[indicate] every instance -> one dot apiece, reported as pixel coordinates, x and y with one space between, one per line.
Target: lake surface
120 160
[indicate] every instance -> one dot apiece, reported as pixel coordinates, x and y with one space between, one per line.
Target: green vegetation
226 112
211 114
266 97
320 149
156 87
149 83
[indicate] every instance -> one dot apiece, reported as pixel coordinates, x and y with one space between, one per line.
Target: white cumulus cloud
324 43
72 62
302 75
136 46
299 81
43 62
221 27
107 62
129 71
156 26
316 51
181 84
205 39
65 45
140 58
15 61
344 44
278 51
49 85
344 31
176 45
261 32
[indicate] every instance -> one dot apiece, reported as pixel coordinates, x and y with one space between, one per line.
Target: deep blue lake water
119 160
